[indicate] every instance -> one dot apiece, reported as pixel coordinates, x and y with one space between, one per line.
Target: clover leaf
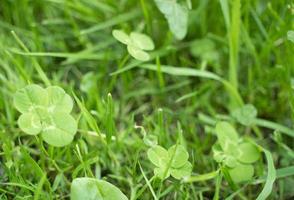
94 189
248 153
245 115
235 153
136 43
241 173
176 15
173 161
46 111
226 134
290 35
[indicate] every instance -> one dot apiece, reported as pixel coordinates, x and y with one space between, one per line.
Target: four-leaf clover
136 43
234 153
172 162
46 111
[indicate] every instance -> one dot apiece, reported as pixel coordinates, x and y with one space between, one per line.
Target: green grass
176 96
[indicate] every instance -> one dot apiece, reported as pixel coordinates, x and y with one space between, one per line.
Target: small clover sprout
245 115
46 111
173 162
233 152
136 43
94 189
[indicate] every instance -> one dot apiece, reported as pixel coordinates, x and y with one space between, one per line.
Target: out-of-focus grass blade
183 71
148 183
226 12
113 21
89 118
89 56
285 172
274 126
271 176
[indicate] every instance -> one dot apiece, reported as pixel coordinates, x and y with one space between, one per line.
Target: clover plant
173 161
245 115
94 189
235 153
137 43
176 15
46 111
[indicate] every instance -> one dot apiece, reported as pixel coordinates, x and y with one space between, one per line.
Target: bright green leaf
94 189
226 132
231 148
142 41
179 156
137 53
248 153
241 173
176 15
29 98
230 161
290 36
121 36
184 171
162 172
60 130
59 101
30 123
158 155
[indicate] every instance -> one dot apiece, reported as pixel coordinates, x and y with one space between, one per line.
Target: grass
175 96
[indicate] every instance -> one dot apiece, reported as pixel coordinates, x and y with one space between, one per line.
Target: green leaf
179 156
241 173
226 134
231 148
245 115
271 176
60 129
121 36
137 53
29 98
248 153
30 123
59 101
290 36
162 172
94 189
142 41
158 155
230 161
176 15
218 156
182 172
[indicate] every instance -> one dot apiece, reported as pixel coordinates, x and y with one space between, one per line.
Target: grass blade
271 176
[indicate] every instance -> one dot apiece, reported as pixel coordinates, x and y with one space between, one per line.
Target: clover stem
120 65
53 162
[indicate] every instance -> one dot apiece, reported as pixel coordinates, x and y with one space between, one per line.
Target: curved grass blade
271 176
